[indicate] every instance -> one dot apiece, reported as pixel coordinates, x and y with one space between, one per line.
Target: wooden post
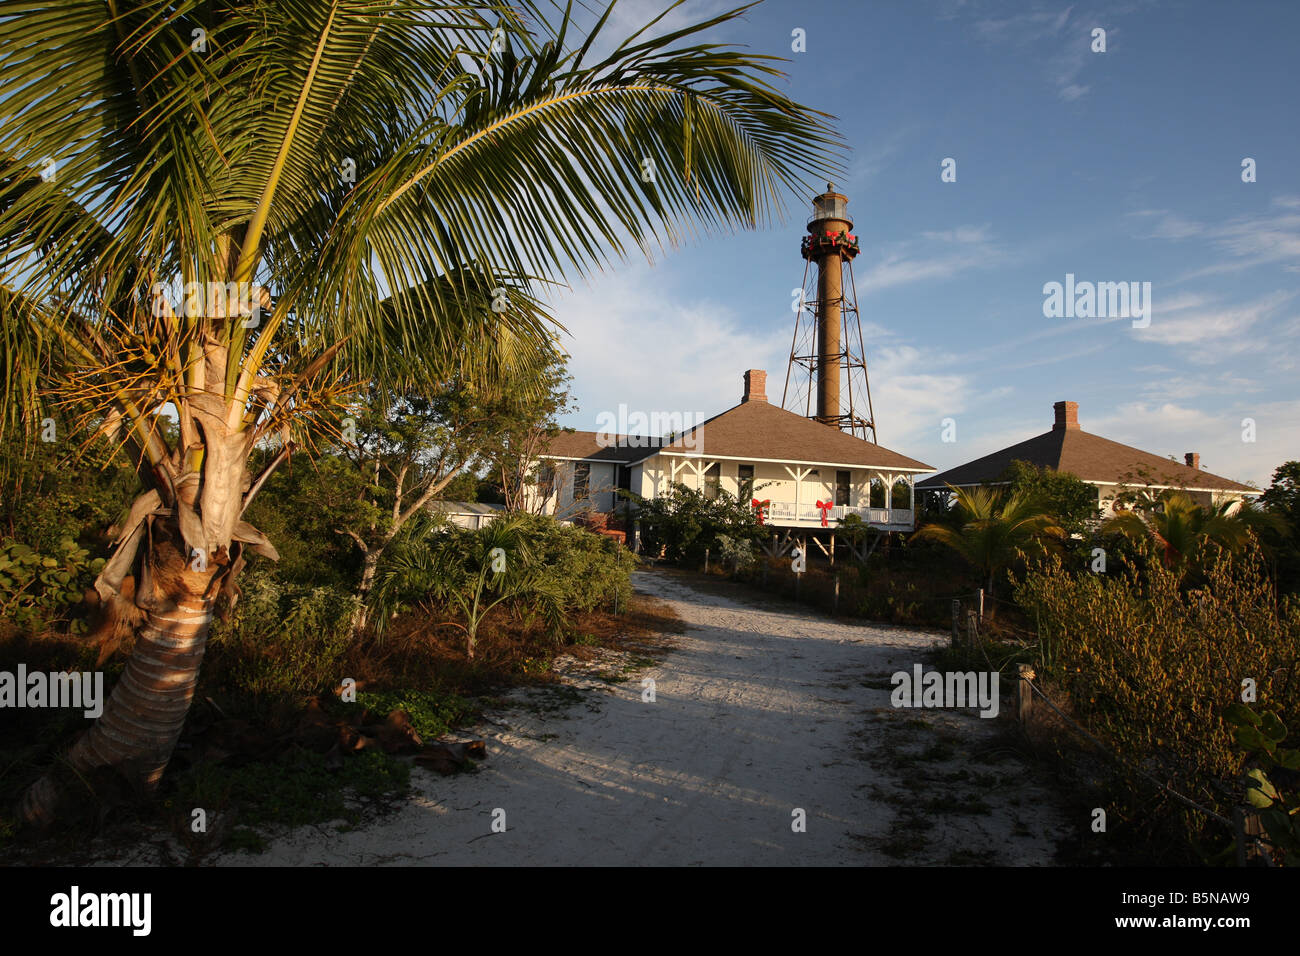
981 604
833 557
835 602
706 560
1024 693
956 618
1245 821
972 630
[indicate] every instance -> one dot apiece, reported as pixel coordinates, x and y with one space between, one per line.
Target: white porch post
798 477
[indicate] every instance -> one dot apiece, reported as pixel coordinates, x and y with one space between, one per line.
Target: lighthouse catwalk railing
827 355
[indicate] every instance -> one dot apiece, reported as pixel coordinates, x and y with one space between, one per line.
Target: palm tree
472 571
1180 528
992 529
235 213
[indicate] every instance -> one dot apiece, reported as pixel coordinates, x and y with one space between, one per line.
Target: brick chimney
1193 459
755 386
1067 416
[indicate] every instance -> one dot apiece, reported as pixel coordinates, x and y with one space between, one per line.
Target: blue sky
1115 166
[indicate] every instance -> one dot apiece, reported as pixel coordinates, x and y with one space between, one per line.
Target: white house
808 475
1106 465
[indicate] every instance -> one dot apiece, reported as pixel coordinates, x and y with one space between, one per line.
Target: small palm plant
471 571
1181 528
993 529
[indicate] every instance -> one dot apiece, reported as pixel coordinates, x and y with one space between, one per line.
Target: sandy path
757 712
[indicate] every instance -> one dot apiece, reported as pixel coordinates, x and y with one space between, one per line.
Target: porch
787 514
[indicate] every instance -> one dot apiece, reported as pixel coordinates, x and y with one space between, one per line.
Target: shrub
282 639
1151 669
37 588
542 569
684 522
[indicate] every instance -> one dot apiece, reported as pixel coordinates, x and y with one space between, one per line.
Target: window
581 480
545 477
841 487
745 482
712 479
625 477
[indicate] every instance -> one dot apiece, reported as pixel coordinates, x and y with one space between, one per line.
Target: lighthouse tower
826 378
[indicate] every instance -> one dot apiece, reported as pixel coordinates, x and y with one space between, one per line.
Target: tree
1180 528
1068 498
235 213
409 448
993 528
1282 499
472 571
524 427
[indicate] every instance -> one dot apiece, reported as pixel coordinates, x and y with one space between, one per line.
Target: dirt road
758 714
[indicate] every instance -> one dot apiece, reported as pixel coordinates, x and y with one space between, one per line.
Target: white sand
757 712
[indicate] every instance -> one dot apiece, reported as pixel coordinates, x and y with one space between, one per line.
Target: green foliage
301 508
738 553
1150 667
283 640
1282 500
1186 534
684 522
1260 736
529 563
432 714
54 508
37 588
1068 499
993 529
49 491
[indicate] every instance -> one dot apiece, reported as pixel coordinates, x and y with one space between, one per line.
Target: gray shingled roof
751 430
1088 456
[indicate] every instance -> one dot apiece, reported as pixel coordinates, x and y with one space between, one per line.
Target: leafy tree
1282 499
524 426
408 449
240 211
993 528
1066 497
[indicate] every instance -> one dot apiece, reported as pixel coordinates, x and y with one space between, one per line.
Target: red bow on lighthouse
824 507
760 507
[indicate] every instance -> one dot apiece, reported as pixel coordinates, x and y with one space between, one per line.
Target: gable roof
594 446
752 430
1090 457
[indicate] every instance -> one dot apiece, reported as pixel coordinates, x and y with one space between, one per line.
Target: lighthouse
827 371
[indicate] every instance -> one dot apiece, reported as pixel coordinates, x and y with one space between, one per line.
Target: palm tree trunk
145 713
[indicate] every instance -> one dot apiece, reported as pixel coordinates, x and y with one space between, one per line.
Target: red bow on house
761 507
824 507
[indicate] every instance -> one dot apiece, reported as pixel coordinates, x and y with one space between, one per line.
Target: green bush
282 639
684 522
37 588
547 570
1151 669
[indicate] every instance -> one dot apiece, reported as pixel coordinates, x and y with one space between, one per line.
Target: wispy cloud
1063 41
935 255
1246 241
1192 322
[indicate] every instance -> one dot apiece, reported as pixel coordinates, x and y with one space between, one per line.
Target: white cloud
941 254
1194 325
